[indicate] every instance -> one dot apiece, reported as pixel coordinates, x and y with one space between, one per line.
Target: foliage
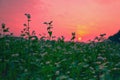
25 33
4 31
49 28
57 60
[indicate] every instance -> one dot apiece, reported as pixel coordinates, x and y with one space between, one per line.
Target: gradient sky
88 18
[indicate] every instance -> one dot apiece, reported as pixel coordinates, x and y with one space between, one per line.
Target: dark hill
115 37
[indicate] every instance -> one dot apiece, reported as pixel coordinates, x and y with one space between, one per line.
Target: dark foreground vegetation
29 58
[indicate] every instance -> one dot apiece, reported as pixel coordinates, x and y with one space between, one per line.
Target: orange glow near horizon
79 38
88 18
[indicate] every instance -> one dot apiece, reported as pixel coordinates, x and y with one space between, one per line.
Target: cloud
105 1
18 5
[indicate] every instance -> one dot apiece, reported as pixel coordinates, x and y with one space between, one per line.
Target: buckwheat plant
61 39
100 38
4 31
49 28
26 31
73 36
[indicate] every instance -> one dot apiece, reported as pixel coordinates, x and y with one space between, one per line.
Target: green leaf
50 33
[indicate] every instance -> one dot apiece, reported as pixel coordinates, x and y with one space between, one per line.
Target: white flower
15 55
91 68
48 62
68 72
63 77
43 54
25 70
98 62
57 72
100 58
118 64
57 64
101 67
86 65
70 79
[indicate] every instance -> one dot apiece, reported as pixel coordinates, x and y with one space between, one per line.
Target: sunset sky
88 18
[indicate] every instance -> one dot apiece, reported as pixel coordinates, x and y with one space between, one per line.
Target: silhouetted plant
100 38
33 36
30 36
28 17
73 36
42 38
49 28
5 31
61 39
26 30
25 33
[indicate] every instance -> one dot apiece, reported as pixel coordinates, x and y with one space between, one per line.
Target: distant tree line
115 37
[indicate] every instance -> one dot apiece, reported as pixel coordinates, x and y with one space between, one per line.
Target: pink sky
88 18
